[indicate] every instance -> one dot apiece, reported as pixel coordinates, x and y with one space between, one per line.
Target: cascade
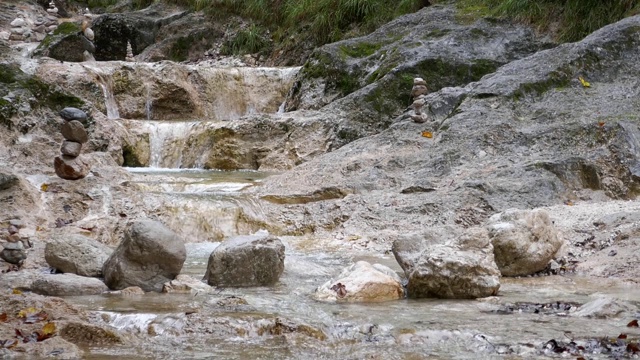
106 83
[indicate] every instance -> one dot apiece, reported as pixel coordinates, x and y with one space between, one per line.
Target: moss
8 73
7 110
348 135
435 34
67 28
360 50
556 79
180 49
49 96
323 66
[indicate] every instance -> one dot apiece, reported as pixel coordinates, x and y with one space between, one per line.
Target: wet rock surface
524 242
77 254
149 255
246 261
67 285
362 282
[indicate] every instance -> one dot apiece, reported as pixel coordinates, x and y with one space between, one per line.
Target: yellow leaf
49 328
26 312
44 187
584 82
16 292
427 134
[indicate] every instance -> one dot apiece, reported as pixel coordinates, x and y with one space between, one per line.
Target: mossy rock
67 43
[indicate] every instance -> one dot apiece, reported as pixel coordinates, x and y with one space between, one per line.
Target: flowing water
284 321
106 83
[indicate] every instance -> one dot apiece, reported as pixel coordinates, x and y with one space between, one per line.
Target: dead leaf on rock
16 292
44 187
32 315
3 317
633 323
427 134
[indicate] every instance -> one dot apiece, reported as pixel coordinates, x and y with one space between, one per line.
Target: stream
285 322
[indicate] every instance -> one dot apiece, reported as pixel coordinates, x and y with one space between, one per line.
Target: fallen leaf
427 134
584 82
16 292
49 328
601 123
26 312
633 347
622 336
3 317
44 187
633 323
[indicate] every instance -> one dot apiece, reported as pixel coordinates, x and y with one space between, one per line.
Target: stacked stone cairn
13 249
418 92
88 33
25 29
69 165
130 56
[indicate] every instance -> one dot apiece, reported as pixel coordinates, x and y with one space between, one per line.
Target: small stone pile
26 29
69 165
13 249
88 33
418 92
130 56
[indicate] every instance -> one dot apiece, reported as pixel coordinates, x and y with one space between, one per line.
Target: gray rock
18 245
448 263
17 223
524 241
67 43
71 113
11 256
77 254
70 148
67 285
256 260
74 131
149 256
7 180
604 308
70 168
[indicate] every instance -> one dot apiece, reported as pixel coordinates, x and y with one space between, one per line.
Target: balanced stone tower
418 92
70 165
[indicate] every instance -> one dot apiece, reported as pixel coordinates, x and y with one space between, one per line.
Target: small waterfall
148 102
106 82
167 141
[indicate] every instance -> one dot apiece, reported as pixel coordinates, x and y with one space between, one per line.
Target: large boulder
77 254
149 255
524 242
67 43
362 282
448 263
67 285
256 260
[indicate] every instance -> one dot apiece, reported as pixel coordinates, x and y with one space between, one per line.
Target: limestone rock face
70 168
74 131
362 282
149 256
255 260
67 285
448 263
77 254
71 148
524 242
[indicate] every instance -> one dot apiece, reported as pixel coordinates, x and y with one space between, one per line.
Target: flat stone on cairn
71 113
418 91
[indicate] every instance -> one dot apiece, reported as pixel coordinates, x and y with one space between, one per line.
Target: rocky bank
513 121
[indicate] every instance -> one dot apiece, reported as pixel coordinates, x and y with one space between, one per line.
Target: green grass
252 40
567 20
322 21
